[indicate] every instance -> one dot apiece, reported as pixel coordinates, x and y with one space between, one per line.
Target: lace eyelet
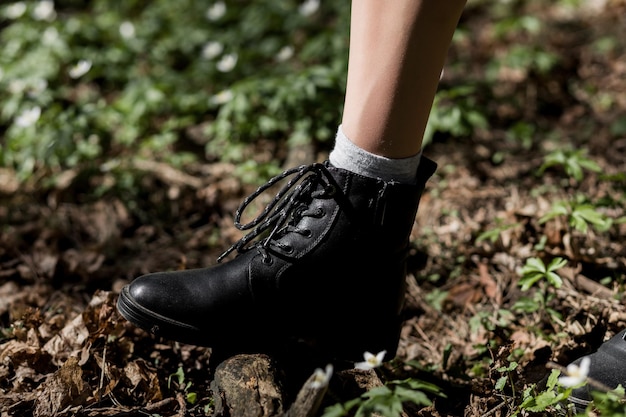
288 249
306 233
267 260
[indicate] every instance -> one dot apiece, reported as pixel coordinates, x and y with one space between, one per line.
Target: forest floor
64 258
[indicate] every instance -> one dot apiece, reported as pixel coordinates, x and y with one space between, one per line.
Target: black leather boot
607 366
327 268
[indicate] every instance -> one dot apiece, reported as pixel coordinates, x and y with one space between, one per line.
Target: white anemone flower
227 63
127 30
212 49
17 86
321 377
37 87
28 117
309 7
576 375
81 68
222 97
50 36
216 11
371 361
15 10
44 10
285 53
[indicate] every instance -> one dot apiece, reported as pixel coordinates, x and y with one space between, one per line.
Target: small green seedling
535 270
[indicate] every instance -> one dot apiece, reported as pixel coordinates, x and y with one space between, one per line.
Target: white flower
227 63
28 117
127 30
222 97
17 86
37 87
44 10
216 12
285 53
50 36
371 361
81 68
321 377
576 375
15 10
309 7
32 87
212 49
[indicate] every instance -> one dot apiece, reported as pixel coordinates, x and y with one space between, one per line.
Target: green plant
506 377
538 302
580 215
386 400
523 133
84 84
490 320
574 162
535 270
607 404
455 112
183 386
549 399
494 233
436 298
523 59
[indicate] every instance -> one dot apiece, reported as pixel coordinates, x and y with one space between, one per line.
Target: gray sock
348 156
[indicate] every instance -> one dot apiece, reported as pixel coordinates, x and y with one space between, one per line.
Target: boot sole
154 323
334 346
580 405
162 327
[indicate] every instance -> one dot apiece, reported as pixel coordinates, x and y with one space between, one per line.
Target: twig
103 367
182 412
159 405
494 409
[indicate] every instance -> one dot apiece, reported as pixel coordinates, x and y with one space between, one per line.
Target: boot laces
282 214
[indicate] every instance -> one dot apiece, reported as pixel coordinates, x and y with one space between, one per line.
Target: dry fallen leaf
62 389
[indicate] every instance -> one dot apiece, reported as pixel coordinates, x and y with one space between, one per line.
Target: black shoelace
289 205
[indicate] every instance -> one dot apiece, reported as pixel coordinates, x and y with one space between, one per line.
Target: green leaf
553 379
529 280
542 401
339 409
414 396
554 279
179 375
534 265
557 263
501 383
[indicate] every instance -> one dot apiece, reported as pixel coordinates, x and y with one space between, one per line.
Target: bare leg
397 51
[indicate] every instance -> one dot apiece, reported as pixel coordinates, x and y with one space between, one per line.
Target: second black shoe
607 366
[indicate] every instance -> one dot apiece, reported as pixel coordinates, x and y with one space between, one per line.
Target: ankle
348 156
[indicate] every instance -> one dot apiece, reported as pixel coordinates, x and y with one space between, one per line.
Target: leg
328 266
396 58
